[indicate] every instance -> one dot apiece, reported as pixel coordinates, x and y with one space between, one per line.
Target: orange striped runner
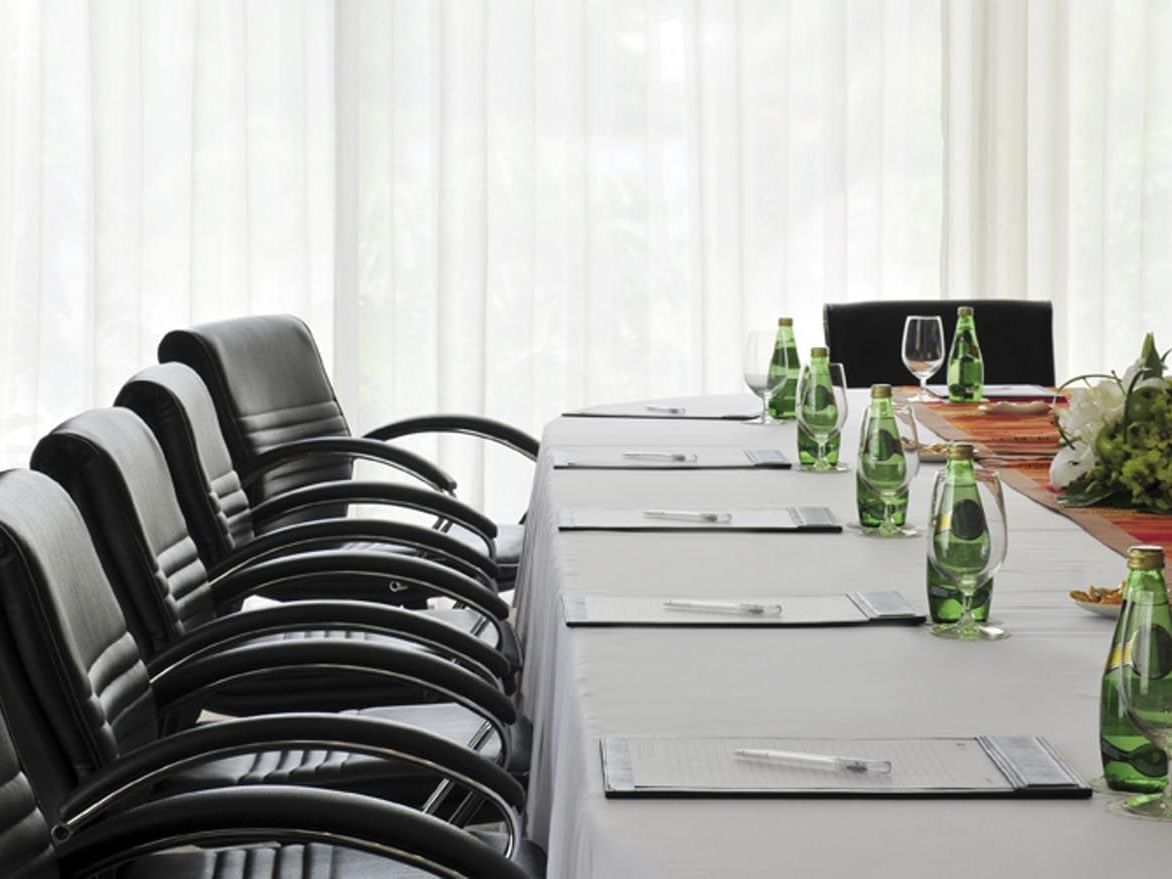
1017 436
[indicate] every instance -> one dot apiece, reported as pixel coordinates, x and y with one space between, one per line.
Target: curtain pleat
519 207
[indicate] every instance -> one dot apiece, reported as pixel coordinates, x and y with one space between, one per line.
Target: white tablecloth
870 681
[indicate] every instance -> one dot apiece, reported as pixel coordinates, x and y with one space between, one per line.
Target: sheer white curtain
1058 167
545 204
160 164
521 206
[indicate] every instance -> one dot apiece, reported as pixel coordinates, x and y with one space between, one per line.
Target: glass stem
967 591
923 388
1166 800
889 517
822 462
765 407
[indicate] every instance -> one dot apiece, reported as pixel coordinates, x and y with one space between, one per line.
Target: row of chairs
356 731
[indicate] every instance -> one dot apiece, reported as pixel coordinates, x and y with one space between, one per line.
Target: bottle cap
959 452
1145 558
880 392
785 321
964 311
820 352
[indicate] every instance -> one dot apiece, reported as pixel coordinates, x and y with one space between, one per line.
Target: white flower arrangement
1117 438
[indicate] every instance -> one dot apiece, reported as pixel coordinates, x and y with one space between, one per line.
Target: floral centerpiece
1117 438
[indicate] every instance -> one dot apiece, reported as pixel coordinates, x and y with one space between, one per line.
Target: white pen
660 456
688 515
739 607
670 410
816 761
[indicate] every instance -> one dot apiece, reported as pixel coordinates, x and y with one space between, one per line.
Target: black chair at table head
1017 338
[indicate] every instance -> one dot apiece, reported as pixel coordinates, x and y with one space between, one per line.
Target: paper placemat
980 766
682 408
665 458
779 519
855 608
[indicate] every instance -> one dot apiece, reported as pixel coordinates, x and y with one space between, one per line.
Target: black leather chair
115 472
296 833
275 402
1017 339
174 402
83 671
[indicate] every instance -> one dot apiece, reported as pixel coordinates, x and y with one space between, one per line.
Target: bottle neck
965 325
1145 583
881 408
960 472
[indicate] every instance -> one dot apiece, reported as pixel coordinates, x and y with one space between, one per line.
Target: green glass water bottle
966 369
883 437
820 378
945 602
785 365
1130 761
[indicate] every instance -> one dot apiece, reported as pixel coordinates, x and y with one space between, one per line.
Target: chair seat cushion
341 770
510 538
293 862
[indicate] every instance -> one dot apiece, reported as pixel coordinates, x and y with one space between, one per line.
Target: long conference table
873 681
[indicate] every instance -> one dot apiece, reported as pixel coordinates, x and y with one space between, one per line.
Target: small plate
1100 608
933 452
1005 407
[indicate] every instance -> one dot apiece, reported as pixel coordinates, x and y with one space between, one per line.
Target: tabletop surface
866 682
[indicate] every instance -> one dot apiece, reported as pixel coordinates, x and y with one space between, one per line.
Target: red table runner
1017 436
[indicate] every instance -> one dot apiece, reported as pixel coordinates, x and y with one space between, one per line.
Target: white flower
1071 463
1091 409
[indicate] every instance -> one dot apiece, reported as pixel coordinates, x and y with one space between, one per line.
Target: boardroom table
581 684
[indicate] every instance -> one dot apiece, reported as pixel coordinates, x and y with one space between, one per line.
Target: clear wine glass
821 411
967 543
1145 686
889 458
923 350
759 354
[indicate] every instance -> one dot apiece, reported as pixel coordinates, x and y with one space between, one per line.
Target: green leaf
1084 492
1153 364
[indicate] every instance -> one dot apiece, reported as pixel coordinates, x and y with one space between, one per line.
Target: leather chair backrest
175 404
269 385
64 629
25 850
113 468
1017 339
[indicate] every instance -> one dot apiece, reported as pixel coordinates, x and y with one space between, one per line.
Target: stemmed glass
967 543
923 350
1145 687
889 458
762 381
821 410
